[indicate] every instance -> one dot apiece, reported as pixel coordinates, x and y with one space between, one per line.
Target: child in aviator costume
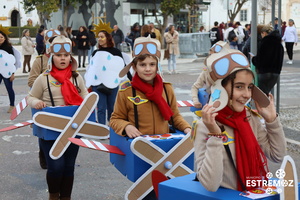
228 128
60 85
146 105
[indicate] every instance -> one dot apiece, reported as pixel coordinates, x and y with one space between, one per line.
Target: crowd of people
119 107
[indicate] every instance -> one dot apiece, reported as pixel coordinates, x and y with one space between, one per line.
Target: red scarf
251 162
68 90
153 93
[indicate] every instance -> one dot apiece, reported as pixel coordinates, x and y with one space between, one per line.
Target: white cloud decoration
104 68
7 64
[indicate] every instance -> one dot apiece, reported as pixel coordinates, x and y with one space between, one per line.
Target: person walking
67 88
27 49
83 45
290 38
269 58
8 54
172 39
92 42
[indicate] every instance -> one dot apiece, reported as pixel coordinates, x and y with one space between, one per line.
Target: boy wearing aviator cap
146 105
59 85
229 129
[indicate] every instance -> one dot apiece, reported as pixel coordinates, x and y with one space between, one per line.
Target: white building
10 10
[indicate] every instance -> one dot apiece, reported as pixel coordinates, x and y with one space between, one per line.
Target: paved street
96 178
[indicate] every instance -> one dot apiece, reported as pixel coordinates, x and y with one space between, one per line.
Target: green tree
46 8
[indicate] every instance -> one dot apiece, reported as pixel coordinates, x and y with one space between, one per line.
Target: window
243 15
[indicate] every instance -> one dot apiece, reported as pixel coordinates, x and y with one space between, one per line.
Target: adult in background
118 36
247 46
92 42
172 39
27 49
83 45
269 58
39 39
135 33
214 34
156 31
283 27
290 38
240 35
221 30
145 31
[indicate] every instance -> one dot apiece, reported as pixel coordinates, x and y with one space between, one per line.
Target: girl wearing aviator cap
229 129
59 85
146 105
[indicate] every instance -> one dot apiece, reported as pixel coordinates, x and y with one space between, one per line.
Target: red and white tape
18 109
18 125
187 103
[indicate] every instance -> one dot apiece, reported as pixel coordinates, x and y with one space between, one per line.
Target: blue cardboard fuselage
47 134
132 166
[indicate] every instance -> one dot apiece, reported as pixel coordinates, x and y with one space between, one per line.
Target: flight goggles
51 33
60 48
146 48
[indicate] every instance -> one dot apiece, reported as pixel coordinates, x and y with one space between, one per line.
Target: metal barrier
191 44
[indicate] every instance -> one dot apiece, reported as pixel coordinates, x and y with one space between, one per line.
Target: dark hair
109 39
6 42
231 78
142 57
216 23
84 28
40 30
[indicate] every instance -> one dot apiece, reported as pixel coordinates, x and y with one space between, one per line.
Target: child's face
61 61
242 90
147 69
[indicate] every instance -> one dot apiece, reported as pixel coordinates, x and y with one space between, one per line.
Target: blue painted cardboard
132 166
61 110
185 187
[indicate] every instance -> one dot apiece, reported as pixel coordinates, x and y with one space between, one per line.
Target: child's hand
132 131
197 105
269 112
40 105
209 119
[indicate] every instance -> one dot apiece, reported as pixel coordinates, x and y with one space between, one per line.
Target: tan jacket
172 42
27 46
150 119
40 90
213 166
39 66
158 35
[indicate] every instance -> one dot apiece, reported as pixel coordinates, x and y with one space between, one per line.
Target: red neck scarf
251 162
68 90
153 93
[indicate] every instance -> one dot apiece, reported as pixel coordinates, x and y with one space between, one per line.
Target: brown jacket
149 117
39 66
172 42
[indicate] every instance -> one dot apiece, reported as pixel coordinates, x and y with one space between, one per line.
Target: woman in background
27 49
290 38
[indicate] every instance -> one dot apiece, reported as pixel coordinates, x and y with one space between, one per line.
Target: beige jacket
40 90
172 42
213 166
150 119
27 46
39 66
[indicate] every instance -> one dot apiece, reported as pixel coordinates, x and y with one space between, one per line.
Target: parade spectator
82 38
247 46
135 33
39 39
276 26
172 39
118 36
231 144
27 49
145 31
156 31
269 58
67 87
201 29
214 34
230 36
283 27
240 35
221 30
290 38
